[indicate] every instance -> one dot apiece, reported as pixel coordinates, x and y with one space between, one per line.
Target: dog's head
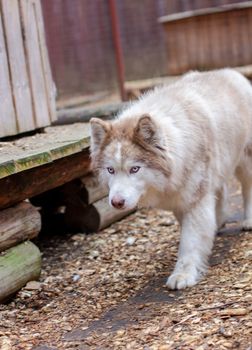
129 156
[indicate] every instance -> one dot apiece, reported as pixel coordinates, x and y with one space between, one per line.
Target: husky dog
175 148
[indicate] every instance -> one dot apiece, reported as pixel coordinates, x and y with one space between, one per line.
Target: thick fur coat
175 148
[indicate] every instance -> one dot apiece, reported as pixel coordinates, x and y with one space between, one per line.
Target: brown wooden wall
81 47
209 40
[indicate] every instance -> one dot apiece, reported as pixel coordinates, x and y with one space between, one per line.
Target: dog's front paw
247 225
180 280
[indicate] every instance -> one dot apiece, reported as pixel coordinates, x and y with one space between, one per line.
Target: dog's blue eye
111 170
134 169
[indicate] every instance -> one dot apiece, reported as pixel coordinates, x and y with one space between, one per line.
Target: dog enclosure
105 290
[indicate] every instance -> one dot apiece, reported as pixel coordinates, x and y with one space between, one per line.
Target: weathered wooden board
42 148
7 116
34 60
27 92
39 179
84 114
50 86
17 64
208 38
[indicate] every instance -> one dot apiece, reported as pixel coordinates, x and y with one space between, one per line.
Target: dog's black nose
118 203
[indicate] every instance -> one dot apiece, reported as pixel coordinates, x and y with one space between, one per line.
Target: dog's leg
221 206
247 199
197 236
244 175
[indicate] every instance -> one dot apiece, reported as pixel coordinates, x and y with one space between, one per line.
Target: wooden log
86 189
85 203
94 189
18 224
107 214
80 217
18 265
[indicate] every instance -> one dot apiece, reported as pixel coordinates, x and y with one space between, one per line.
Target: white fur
204 125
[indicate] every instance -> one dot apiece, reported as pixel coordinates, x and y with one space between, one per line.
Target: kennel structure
27 93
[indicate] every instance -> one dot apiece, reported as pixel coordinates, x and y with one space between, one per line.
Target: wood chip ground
107 291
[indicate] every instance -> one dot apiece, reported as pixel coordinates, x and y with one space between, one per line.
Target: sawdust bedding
106 291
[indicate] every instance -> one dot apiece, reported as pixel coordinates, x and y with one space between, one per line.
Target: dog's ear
99 131
146 129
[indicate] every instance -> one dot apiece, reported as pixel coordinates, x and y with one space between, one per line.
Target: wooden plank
35 64
84 114
42 148
244 24
250 30
172 51
18 265
17 224
226 39
180 47
7 112
50 86
235 42
205 11
204 46
214 42
29 183
18 69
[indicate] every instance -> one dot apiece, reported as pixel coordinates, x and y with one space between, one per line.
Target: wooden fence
27 98
209 38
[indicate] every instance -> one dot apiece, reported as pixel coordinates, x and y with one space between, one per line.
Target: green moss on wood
18 265
54 144
7 168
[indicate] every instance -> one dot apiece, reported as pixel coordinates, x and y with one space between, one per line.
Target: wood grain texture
7 114
34 63
50 87
208 39
17 224
80 217
27 91
29 183
17 62
18 265
42 148
95 190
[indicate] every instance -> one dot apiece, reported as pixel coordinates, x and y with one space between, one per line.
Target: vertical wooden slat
7 113
234 39
204 47
185 47
190 43
50 87
34 63
226 37
172 54
17 63
243 21
250 30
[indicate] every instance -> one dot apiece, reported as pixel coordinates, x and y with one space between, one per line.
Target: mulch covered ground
107 291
